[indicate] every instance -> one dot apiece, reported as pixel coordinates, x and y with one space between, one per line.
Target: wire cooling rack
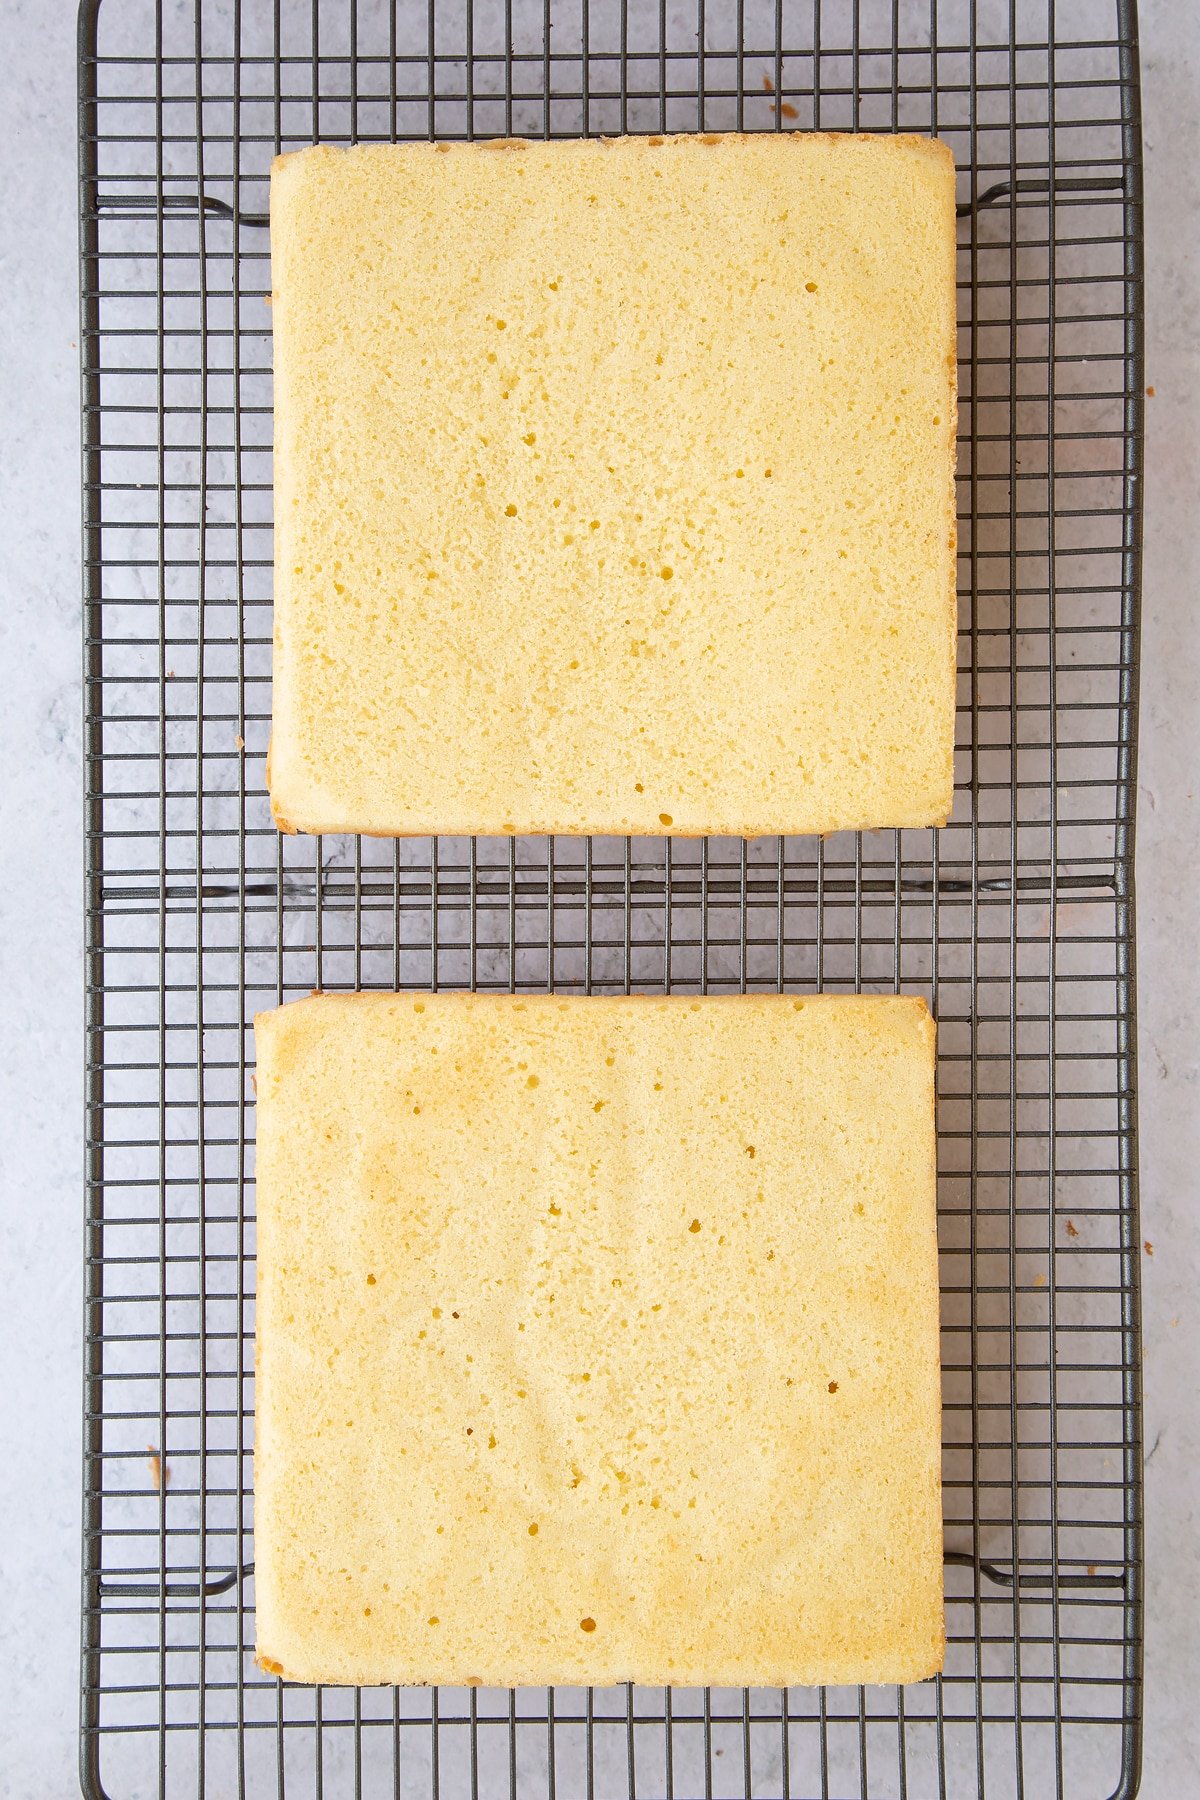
1014 921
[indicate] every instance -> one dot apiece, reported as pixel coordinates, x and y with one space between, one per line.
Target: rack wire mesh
1014 921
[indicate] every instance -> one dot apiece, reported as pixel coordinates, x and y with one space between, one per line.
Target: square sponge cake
614 485
597 1341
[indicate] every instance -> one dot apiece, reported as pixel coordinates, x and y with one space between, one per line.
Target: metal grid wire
1014 921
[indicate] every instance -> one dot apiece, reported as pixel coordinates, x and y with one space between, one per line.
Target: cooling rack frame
1016 921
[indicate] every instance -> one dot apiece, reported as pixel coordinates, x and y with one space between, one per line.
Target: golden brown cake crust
614 485
597 1341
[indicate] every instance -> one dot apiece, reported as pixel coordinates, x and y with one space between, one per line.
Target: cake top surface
597 1340
614 485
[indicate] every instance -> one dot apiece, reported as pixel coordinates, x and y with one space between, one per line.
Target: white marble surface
40 907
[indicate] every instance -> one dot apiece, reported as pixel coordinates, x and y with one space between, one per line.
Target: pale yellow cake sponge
614 485
597 1341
